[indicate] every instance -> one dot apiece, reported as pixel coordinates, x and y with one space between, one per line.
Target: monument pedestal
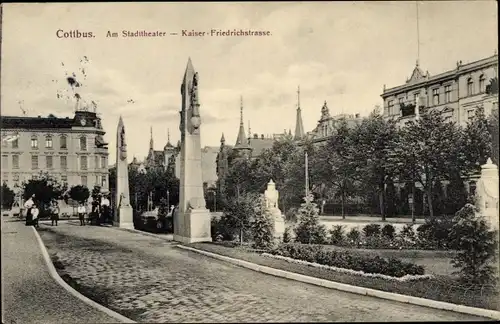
279 224
192 226
125 218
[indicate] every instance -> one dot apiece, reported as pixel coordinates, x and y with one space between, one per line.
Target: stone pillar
487 194
123 216
271 196
192 222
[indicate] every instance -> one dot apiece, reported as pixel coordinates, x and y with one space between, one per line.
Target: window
15 177
482 87
64 144
34 142
64 178
103 162
5 161
447 94
15 143
48 142
83 143
83 162
103 183
401 100
96 161
415 98
34 162
49 160
97 182
84 181
435 97
64 162
470 114
15 161
5 143
390 105
470 87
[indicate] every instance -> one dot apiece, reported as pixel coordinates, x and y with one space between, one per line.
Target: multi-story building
71 150
456 93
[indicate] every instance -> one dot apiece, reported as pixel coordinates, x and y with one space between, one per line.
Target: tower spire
249 130
418 35
168 135
242 140
151 147
299 126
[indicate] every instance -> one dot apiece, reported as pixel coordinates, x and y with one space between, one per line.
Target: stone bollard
487 194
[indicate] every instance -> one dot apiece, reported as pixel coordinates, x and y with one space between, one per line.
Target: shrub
287 235
435 232
337 235
354 236
309 230
476 246
291 215
348 260
371 230
220 229
262 226
388 231
407 233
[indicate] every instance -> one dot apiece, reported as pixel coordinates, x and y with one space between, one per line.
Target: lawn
442 287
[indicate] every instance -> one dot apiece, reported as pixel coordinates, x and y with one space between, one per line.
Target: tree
427 151
493 124
456 194
309 230
239 213
262 226
374 141
476 246
45 189
79 193
476 143
8 196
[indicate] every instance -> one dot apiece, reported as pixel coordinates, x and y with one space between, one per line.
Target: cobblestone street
156 282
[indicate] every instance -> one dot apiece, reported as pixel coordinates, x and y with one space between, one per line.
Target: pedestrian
105 208
34 215
54 212
95 211
28 205
81 214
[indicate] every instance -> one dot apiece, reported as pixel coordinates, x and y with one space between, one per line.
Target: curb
71 290
353 289
160 237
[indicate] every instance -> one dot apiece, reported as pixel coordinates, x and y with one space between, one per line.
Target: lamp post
307 174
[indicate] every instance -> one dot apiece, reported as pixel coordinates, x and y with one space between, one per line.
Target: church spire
241 141
151 147
299 126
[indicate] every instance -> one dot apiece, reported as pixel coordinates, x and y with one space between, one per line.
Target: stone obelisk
192 220
123 211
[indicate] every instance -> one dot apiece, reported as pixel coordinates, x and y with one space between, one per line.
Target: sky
341 52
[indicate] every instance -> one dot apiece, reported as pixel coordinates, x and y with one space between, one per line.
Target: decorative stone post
271 196
487 194
123 212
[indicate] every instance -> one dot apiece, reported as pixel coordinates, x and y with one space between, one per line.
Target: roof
260 144
49 122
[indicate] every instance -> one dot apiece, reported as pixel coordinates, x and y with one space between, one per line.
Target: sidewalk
29 292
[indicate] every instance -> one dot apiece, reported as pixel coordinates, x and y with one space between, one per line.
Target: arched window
34 142
482 85
83 143
48 141
470 87
63 142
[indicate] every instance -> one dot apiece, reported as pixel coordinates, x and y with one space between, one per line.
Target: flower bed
347 260
404 278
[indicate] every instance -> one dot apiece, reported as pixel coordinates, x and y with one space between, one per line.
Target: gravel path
150 280
30 294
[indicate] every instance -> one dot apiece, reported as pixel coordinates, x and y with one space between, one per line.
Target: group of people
100 212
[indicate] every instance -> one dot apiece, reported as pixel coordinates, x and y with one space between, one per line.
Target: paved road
161 283
30 294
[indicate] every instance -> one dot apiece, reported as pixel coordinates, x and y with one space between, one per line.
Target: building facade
71 150
456 93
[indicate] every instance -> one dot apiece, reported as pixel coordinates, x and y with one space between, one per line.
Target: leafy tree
262 226
438 197
493 124
309 230
492 88
45 189
391 200
476 142
374 141
8 196
456 194
476 246
337 235
239 214
79 193
426 151
238 177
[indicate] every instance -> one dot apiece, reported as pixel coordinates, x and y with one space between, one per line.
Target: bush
371 230
476 246
291 215
348 260
287 235
262 226
220 229
435 232
354 236
337 235
309 230
388 231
